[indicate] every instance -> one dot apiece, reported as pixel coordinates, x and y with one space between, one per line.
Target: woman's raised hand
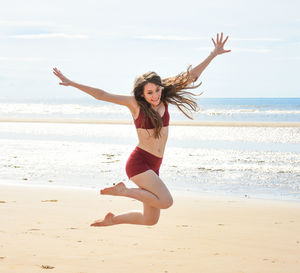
219 45
64 80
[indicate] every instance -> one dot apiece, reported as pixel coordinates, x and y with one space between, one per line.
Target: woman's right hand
64 80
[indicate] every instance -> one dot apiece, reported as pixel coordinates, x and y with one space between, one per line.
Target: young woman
149 109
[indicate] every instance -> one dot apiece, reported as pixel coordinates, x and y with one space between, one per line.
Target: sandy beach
47 228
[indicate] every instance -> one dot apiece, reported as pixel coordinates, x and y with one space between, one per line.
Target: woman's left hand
219 45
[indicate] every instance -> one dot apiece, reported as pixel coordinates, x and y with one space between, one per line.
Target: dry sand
46 229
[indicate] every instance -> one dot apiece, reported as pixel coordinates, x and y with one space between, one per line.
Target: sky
108 43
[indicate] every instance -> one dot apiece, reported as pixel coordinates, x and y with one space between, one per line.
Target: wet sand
47 229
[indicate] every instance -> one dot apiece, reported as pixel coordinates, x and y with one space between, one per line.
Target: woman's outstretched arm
99 94
218 50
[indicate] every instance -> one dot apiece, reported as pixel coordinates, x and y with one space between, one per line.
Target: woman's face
152 93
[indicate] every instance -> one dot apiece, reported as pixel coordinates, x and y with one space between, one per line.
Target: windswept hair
174 92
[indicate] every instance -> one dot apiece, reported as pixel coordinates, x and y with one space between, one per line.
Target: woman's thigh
151 182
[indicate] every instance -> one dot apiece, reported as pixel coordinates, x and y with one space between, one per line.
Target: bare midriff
149 143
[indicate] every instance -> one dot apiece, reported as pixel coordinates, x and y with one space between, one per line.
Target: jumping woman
149 108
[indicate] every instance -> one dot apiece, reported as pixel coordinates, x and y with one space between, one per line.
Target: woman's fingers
225 40
64 80
220 40
55 71
213 41
58 73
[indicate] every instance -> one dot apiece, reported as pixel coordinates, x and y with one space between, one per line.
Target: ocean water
258 162
211 109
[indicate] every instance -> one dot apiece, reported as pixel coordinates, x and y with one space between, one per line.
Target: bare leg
149 217
137 193
152 190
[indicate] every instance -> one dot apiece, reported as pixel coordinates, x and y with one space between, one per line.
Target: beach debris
1 258
17 167
25 178
109 156
2 202
49 200
50 181
110 161
47 267
34 229
270 259
218 170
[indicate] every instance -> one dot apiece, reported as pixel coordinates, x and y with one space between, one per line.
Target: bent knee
167 203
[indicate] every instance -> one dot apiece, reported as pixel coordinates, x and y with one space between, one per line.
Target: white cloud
264 39
49 36
253 50
27 59
2 58
204 48
239 49
193 38
9 23
170 38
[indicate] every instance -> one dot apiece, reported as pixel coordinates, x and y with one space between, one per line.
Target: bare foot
107 221
118 189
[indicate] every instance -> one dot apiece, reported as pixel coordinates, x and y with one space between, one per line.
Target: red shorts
140 161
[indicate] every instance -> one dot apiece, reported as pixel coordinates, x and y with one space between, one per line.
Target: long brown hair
173 92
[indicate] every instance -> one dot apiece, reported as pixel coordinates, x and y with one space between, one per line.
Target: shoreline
50 229
177 193
173 123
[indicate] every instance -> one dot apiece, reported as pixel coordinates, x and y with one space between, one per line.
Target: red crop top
147 123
